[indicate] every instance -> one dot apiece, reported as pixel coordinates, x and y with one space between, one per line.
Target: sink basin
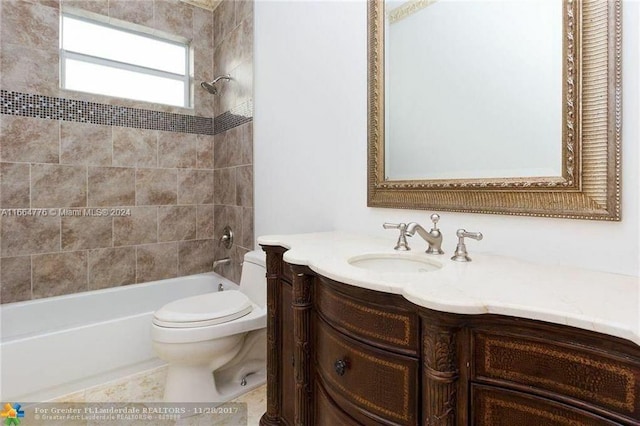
391 262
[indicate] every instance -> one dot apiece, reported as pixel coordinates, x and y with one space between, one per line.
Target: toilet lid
203 310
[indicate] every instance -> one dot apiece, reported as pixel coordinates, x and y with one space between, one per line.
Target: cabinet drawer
327 413
377 382
596 378
382 324
500 407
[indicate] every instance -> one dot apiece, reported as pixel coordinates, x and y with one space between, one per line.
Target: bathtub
58 345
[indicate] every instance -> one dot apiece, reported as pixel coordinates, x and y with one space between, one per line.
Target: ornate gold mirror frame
589 187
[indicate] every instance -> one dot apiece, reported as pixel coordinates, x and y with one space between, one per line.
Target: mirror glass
473 89
495 106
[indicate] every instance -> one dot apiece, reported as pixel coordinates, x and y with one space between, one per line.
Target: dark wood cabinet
344 355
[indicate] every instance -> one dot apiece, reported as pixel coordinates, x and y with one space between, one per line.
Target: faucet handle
401 226
461 255
401 245
435 218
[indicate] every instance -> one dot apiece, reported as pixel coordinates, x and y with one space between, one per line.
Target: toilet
215 343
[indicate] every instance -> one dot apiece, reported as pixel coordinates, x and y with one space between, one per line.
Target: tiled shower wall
233 165
175 183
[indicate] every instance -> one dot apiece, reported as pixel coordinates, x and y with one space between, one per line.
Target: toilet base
189 383
220 380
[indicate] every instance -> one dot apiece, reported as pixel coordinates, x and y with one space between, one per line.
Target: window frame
96 60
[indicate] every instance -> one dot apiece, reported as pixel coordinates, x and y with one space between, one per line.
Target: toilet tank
253 281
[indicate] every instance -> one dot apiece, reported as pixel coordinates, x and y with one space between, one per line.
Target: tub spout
219 262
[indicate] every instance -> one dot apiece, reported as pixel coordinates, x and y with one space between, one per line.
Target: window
106 60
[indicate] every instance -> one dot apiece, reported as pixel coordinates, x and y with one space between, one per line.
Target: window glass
106 60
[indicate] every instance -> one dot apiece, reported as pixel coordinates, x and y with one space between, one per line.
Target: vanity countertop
490 284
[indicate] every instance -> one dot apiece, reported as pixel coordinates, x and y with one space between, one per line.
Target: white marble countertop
591 300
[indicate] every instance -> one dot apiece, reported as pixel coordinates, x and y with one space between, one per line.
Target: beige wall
181 188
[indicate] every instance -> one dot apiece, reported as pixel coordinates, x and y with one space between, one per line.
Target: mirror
484 106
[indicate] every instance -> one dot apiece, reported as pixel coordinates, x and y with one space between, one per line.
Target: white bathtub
58 345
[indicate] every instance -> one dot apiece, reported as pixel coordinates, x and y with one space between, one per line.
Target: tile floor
148 387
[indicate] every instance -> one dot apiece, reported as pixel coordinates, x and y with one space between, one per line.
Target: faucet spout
219 262
432 237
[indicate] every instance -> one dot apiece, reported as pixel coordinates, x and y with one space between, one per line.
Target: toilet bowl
215 343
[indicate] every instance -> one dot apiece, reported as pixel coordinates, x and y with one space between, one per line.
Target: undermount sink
391 262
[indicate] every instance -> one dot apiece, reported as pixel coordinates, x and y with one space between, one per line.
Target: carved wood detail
440 375
302 335
274 265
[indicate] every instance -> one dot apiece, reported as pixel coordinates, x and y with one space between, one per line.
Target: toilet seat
203 310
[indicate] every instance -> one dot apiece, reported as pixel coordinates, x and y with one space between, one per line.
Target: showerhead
211 86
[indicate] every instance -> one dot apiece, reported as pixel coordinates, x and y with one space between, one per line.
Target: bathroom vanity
495 341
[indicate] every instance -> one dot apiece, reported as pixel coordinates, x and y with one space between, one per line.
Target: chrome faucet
401 245
433 237
223 261
461 255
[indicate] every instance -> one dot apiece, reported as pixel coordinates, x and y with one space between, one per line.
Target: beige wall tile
28 235
156 262
111 267
25 69
204 101
86 232
112 186
246 143
29 139
195 257
224 182
176 223
195 186
244 8
176 150
59 273
139 228
245 42
203 61
223 21
156 186
235 48
205 151
237 92
42 22
15 279
85 144
97 6
202 28
14 185
137 12
226 152
58 186
244 186
174 17
135 147
248 237
204 222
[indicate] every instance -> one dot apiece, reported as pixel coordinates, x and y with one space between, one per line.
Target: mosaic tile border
54 108
233 118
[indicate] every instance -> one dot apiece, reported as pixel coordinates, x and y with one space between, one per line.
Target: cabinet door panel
378 382
594 377
494 406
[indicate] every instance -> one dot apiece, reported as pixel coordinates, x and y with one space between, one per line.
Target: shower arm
211 86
